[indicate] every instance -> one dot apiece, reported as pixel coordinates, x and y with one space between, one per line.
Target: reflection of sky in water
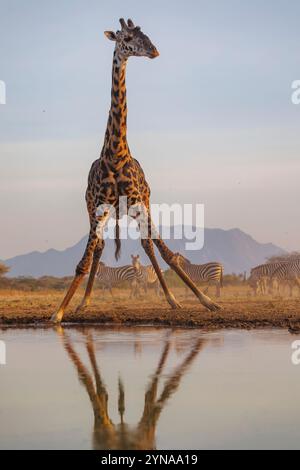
241 390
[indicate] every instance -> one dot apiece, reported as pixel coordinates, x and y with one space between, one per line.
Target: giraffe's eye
128 39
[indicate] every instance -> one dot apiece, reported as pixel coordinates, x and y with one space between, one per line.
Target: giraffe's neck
115 146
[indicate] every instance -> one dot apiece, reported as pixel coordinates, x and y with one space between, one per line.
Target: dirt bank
19 308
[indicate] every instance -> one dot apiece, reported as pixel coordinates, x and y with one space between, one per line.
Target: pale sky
211 120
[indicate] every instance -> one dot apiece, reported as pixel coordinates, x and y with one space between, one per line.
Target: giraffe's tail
117 240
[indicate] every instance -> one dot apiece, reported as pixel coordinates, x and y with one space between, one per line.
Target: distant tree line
23 283
27 283
294 255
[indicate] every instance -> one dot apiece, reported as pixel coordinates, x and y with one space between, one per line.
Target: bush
3 269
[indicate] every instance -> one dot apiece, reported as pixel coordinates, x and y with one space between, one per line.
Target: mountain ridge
237 250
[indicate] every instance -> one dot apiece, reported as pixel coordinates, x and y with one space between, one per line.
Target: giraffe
109 435
116 175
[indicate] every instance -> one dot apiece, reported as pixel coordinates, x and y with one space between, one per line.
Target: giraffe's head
131 41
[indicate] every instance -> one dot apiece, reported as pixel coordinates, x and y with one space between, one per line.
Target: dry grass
239 309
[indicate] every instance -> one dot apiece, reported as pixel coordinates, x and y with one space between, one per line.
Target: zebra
258 284
288 272
261 277
110 277
212 272
146 276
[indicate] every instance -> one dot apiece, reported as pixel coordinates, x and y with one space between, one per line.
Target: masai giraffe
116 174
110 435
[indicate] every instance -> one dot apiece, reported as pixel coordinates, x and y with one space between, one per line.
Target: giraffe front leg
81 270
96 258
83 267
148 247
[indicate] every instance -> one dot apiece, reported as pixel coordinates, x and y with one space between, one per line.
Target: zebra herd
140 276
276 275
264 279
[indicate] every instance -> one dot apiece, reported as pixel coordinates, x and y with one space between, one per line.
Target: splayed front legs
96 258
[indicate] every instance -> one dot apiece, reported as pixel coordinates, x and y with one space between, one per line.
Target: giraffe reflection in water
108 435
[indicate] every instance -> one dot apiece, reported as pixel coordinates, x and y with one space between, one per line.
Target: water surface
106 388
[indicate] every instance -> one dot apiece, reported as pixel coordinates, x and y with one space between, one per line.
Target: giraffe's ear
110 35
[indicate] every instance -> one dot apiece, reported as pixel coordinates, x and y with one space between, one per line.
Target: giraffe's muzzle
154 54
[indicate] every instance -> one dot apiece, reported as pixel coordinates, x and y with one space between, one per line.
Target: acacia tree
3 269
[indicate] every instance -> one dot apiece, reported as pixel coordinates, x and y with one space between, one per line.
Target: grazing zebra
261 277
146 276
258 284
211 272
288 272
110 277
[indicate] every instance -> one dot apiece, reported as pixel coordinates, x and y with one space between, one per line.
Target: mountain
237 251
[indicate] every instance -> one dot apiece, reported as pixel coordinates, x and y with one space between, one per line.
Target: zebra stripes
110 277
146 275
262 277
210 272
288 272
267 269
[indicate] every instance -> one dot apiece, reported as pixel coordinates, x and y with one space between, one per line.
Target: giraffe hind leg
148 247
169 258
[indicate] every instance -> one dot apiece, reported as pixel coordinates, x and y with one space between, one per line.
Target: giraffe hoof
213 307
81 308
216 307
208 303
55 319
174 303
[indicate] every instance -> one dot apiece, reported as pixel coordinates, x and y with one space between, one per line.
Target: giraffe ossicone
117 174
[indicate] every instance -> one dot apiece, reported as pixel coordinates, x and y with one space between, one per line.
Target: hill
237 250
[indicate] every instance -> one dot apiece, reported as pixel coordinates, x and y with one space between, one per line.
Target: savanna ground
240 309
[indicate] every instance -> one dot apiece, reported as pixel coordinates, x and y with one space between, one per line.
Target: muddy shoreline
36 311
